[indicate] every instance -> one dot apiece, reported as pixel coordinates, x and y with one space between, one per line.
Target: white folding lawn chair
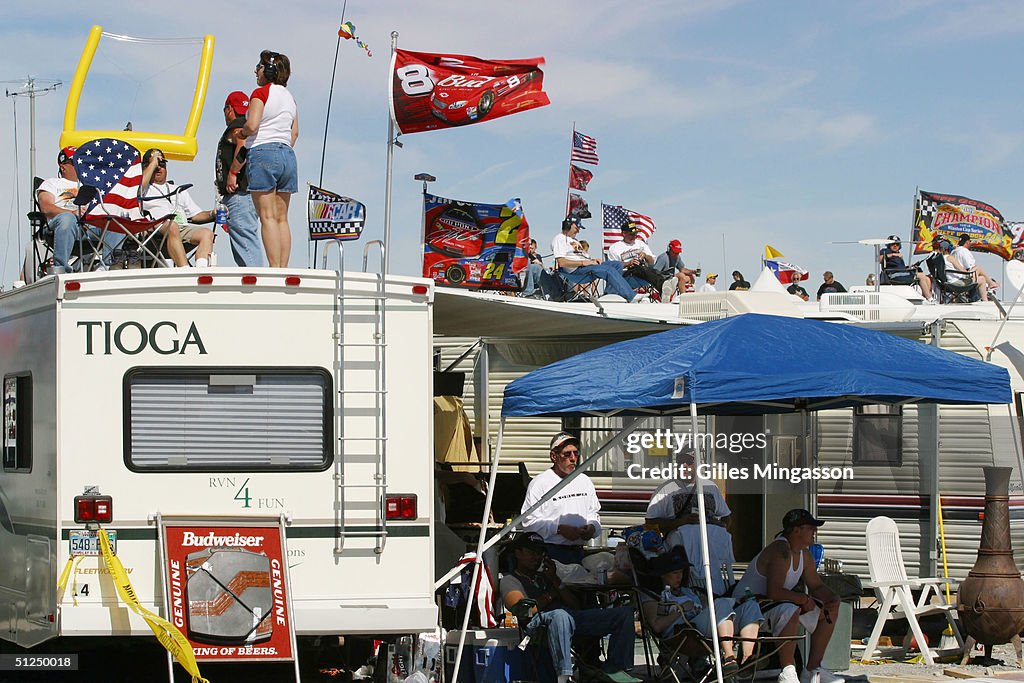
893 590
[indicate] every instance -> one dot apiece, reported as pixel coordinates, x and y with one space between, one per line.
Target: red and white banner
227 589
433 91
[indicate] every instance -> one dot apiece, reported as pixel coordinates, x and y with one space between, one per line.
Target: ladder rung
363 438
375 345
360 392
363 486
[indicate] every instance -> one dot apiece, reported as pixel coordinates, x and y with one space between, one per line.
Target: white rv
218 393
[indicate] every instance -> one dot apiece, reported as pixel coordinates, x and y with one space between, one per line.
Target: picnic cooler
848 588
490 656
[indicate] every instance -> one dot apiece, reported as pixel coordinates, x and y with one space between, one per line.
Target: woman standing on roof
271 127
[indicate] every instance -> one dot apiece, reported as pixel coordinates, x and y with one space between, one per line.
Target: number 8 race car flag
433 91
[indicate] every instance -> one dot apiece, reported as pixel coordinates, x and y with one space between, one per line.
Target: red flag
578 206
433 91
579 177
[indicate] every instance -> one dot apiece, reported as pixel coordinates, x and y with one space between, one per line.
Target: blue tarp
752 364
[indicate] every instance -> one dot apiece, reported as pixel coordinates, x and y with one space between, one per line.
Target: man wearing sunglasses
573 516
159 196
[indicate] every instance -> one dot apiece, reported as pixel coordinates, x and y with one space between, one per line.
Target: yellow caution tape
166 632
62 582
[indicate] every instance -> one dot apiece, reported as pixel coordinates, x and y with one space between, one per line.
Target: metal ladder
346 443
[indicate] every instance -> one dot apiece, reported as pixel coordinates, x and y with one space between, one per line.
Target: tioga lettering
132 338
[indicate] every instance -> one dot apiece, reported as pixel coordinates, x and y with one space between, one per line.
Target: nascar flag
616 217
579 177
951 215
479 246
432 91
333 217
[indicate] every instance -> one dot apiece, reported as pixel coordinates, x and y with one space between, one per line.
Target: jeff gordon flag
432 91
617 217
584 148
951 215
114 168
333 217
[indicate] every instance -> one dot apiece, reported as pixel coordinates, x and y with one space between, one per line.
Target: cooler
491 656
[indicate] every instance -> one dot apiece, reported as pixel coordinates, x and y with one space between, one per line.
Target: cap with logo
527 539
711 276
562 438
66 154
238 101
675 246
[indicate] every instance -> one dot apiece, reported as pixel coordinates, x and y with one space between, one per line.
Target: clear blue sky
733 124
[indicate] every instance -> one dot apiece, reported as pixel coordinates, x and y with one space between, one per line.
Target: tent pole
709 588
480 547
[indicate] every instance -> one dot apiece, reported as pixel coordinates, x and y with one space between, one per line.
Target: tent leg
709 587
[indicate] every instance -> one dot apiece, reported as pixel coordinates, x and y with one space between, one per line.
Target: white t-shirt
565 247
279 111
575 505
620 251
180 204
63 191
964 256
953 273
669 501
708 287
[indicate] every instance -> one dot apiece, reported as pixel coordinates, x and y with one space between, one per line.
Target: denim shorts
272 167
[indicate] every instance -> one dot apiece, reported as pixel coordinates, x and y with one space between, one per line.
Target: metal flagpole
568 189
392 143
426 178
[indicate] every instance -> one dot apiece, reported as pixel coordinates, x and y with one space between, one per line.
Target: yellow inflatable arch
180 147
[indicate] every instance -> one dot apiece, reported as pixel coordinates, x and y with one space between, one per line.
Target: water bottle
220 216
665 606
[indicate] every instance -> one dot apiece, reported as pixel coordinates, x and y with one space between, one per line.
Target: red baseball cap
66 154
238 101
675 246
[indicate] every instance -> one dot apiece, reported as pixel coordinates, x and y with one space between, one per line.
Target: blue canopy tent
742 365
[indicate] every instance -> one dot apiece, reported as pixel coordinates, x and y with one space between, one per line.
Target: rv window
237 419
17 437
878 435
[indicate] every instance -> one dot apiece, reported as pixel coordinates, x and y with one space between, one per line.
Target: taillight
98 509
420 290
205 280
400 506
248 279
72 286
293 281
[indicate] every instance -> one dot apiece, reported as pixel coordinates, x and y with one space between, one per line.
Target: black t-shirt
739 284
835 287
225 156
892 260
797 289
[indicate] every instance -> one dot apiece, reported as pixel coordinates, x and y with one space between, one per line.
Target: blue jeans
533 272
611 273
565 624
272 166
66 232
244 230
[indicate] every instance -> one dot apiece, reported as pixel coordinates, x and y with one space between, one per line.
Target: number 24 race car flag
434 91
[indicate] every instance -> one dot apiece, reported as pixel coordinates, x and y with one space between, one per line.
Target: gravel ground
900 669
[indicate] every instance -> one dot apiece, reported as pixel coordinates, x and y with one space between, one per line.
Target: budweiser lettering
210 540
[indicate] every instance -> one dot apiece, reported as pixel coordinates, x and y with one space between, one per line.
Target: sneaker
788 675
730 668
639 298
619 676
819 675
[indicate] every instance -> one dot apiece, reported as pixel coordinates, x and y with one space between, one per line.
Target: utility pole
32 87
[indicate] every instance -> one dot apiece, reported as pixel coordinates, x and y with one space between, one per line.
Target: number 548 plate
87 542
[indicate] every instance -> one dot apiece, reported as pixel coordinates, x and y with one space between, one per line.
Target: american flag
617 217
579 177
115 169
584 148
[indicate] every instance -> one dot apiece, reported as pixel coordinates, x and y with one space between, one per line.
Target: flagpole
568 189
392 142
327 121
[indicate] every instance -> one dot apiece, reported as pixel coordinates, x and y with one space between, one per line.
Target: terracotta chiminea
990 602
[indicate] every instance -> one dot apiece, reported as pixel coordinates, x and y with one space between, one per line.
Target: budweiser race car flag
482 246
432 91
950 215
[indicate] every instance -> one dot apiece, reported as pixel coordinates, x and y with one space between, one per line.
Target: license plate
87 542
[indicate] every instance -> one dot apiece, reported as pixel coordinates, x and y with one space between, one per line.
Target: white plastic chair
892 589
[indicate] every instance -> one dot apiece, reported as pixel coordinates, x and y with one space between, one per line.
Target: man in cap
670 264
573 516
533 592
636 257
955 271
962 253
894 269
773 574
243 224
159 196
674 503
570 258
709 283
56 199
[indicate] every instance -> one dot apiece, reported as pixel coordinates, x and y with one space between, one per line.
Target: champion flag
578 206
952 215
584 148
579 177
617 217
114 168
433 91
333 217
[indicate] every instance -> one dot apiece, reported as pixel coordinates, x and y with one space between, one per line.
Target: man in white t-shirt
710 280
573 516
675 501
56 199
963 254
570 258
636 257
159 197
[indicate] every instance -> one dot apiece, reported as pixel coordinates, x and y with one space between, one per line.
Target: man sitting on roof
670 264
533 592
159 197
636 257
570 258
573 516
772 576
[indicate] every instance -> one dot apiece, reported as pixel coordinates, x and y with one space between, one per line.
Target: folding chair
961 290
142 236
893 590
579 286
39 255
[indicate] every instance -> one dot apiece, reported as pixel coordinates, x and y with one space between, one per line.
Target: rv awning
755 363
460 313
